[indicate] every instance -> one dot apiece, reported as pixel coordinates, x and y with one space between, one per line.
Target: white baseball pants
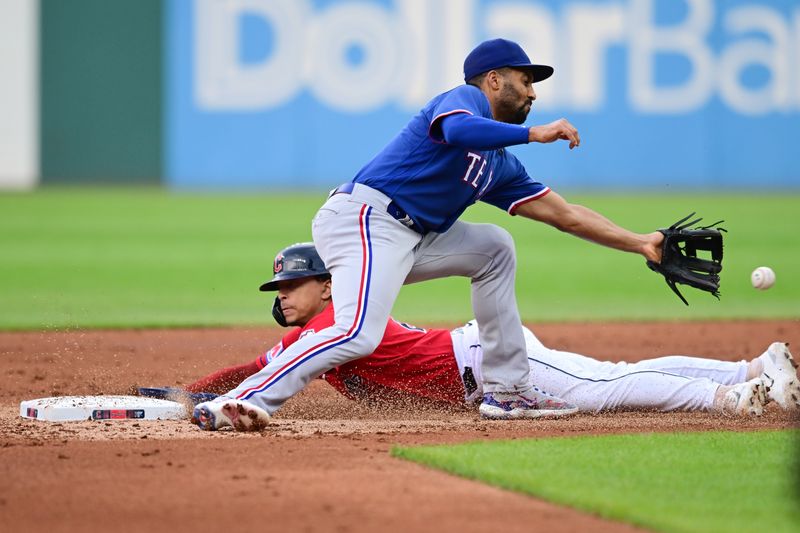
672 383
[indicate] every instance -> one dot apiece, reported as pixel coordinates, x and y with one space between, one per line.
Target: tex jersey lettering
434 182
408 360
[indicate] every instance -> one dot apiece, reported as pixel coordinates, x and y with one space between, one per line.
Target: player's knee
502 244
366 341
365 338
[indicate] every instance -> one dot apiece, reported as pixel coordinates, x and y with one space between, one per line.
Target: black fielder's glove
679 260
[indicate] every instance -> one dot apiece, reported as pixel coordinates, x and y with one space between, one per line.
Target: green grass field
147 257
76 257
680 482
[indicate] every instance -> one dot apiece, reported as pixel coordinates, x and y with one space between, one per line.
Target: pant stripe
355 328
608 380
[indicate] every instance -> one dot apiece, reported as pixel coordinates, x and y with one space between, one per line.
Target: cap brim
539 72
269 286
272 285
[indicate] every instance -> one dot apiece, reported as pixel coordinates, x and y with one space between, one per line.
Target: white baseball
762 278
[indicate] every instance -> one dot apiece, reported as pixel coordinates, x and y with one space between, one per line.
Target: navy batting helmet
299 260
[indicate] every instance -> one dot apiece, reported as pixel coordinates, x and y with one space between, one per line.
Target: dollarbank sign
665 93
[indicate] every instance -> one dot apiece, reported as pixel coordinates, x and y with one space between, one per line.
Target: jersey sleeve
319 322
511 185
463 99
287 340
479 133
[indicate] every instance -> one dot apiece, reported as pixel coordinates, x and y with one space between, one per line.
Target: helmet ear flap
277 313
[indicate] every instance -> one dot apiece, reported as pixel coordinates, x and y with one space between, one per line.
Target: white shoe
780 376
241 415
745 399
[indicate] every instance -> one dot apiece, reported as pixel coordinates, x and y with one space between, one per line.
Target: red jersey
408 360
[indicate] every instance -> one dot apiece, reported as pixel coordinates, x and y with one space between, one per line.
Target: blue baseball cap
499 53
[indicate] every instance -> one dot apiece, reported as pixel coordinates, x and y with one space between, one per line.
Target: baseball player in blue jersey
397 222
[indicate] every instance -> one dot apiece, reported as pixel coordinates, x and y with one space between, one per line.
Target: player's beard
509 111
521 114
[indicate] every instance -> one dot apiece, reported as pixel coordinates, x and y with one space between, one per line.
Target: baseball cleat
239 414
780 376
176 395
745 399
532 403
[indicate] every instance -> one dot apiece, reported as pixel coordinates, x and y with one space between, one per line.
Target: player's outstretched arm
561 129
583 222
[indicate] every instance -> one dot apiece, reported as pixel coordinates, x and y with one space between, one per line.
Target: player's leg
375 265
368 254
565 375
599 386
724 372
485 254
775 366
468 353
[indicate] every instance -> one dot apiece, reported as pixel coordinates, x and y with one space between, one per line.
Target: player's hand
561 129
652 248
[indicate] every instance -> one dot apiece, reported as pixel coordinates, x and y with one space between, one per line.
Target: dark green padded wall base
101 91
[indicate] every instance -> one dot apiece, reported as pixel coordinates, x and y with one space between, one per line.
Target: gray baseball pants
370 255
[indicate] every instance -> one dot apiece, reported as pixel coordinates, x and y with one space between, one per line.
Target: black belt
394 210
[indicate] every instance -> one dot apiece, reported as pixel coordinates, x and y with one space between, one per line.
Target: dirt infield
322 466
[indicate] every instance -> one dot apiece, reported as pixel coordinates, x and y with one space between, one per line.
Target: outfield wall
19 126
665 93
101 91
300 93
